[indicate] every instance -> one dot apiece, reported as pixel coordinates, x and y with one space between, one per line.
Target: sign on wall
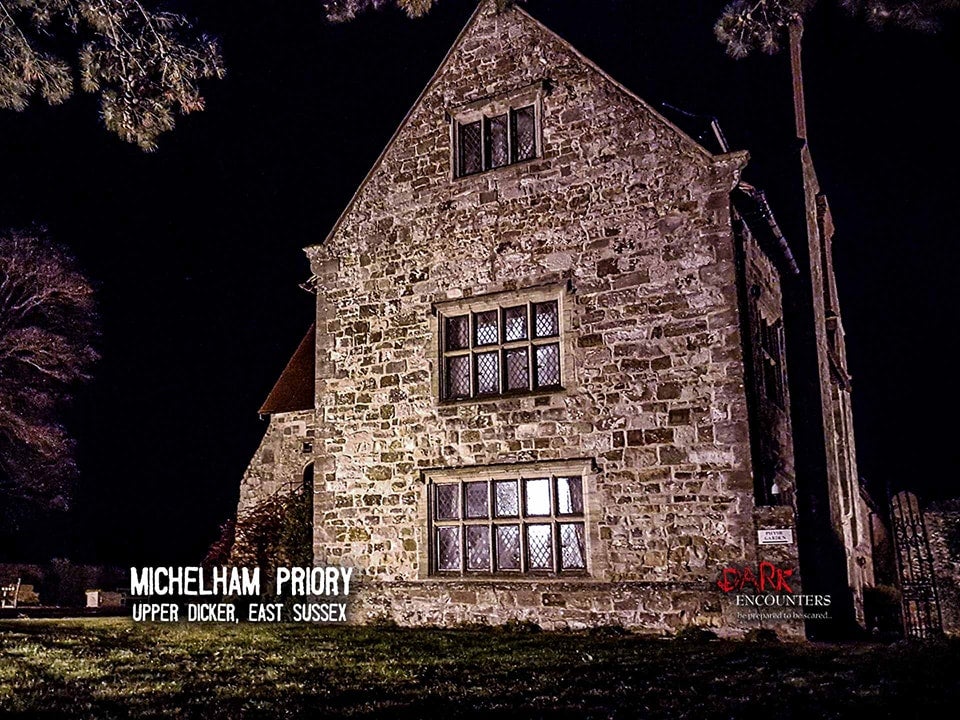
775 536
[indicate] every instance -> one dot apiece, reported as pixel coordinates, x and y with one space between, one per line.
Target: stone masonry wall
943 533
774 435
634 220
278 464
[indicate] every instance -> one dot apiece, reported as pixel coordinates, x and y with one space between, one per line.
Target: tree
276 532
343 10
48 323
144 63
748 25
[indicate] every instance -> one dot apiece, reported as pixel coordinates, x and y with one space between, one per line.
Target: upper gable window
493 142
496 132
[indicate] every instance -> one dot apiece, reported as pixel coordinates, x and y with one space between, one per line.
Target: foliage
218 554
144 63
277 531
112 668
344 10
744 26
48 322
295 545
748 25
922 15
257 536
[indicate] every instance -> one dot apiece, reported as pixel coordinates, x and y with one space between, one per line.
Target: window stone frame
559 292
584 468
494 106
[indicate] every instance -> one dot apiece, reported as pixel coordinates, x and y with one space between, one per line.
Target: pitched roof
524 16
294 388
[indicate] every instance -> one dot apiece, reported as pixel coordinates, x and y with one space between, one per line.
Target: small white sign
776 536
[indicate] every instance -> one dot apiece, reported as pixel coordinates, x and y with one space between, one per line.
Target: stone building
547 378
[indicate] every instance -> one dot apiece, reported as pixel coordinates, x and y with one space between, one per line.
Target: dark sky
196 249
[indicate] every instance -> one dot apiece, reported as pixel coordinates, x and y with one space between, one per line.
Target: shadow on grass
113 668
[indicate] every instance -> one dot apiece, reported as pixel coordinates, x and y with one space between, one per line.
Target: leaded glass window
569 496
448 548
508 547
508 526
471 148
458 376
476 503
458 332
548 366
448 502
486 325
546 319
498 149
515 323
478 547
524 134
501 349
488 373
496 140
571 547
507 499
518 369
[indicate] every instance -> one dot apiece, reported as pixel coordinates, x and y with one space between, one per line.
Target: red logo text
767 578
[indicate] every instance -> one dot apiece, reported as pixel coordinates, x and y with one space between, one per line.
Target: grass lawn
113 668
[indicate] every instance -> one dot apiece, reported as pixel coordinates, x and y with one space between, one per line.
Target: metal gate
918 586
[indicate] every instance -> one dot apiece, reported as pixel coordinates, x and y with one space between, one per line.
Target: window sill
545 392
494 171
570 576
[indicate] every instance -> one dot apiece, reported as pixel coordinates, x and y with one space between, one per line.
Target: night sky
196 249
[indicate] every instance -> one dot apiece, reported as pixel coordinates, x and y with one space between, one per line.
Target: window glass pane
488 373
448 548
548 365
571 546
458 332
546 320
539 547
507 504
518 372
497 141
508 547
486 324
458 376
536 496
478 547
569 496
515 323
448 502
524 134
471 155
476 505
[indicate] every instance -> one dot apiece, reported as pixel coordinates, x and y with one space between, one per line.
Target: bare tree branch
48 322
